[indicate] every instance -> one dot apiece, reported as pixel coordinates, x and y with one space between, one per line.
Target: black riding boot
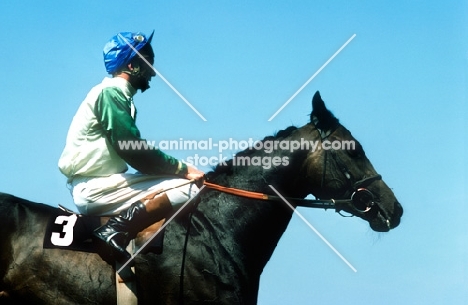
120 230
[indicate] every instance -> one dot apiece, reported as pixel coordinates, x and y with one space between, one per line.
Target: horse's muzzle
384 221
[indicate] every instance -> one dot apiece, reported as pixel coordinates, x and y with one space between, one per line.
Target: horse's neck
247 229
257 226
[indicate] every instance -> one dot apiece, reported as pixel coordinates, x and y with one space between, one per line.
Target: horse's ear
321 116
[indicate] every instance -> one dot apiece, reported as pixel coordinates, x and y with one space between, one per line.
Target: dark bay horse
231 238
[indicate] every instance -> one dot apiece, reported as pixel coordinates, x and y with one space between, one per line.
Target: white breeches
113 194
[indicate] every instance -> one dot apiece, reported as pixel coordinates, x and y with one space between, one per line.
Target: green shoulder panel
113 110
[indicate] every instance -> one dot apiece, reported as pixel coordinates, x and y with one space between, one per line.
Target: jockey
95 161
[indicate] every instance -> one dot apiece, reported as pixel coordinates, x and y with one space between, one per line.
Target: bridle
361 200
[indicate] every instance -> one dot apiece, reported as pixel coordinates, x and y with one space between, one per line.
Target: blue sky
400 86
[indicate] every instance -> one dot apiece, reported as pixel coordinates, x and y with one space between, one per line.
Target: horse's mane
228 166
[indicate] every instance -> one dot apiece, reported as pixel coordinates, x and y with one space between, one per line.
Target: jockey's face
143 70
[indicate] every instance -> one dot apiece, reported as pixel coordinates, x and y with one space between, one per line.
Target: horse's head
346 174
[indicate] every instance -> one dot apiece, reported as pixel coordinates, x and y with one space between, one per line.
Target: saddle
71 231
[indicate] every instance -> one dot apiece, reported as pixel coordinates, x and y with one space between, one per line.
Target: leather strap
237 192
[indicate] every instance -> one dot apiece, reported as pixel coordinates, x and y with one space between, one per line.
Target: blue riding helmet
117 52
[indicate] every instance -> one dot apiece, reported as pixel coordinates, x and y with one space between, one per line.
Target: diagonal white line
164 79
160 229
313 229
312 77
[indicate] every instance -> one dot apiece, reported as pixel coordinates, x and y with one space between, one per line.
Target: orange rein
237 192
310 203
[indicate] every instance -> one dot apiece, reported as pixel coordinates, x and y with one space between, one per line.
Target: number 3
67 239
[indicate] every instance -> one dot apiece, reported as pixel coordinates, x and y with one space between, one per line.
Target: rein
336 204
